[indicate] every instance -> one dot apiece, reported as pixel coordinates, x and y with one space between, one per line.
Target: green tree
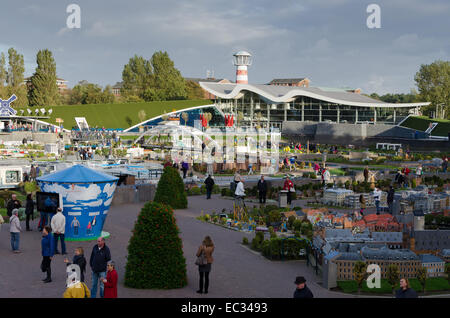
433 82
447 271
43 89
360 273
136 77
167 78
3 72
88 93
14 77
193 90
170 189
422 277
393 275
155 254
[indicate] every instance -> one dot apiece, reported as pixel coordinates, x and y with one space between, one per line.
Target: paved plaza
237 271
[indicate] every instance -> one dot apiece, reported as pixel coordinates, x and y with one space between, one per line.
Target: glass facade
253 110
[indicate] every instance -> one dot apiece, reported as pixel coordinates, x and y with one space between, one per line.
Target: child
79 260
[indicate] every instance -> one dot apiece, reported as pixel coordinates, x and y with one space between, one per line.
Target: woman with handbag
204 261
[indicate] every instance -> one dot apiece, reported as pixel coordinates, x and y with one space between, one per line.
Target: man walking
58 228
262 188
366 174
99 259
184 168
302 290
445 165
209 186
33 173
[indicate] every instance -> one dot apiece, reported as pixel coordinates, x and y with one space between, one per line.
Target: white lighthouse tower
242 59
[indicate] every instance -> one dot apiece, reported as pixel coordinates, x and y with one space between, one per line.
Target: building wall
434 269
406 268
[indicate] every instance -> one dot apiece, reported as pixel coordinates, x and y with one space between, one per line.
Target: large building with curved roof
271 105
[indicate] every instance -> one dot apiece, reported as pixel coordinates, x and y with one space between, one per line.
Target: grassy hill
422 123
114 115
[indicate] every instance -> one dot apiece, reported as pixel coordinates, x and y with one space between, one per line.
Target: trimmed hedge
272 248
170 189
155 255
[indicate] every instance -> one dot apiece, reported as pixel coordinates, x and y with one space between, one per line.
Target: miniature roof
78 174
430 258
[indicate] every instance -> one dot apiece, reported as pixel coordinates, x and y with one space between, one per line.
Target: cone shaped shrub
170 189
155 251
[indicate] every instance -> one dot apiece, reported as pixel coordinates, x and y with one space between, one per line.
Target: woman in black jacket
29 210
79 260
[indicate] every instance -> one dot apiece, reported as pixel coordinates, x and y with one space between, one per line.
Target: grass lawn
432 284
337 172
114 115
422 123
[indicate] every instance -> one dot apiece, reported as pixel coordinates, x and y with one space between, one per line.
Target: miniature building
435 266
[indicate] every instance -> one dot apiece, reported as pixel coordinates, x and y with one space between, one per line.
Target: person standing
405 290
209 182
302 291
29 210
445 165
240 192
366 174
250 168
99 258
12 204
262 188
80 260
288 186
326 177
207 249
58 224
316 168
14 229
47 245
362 203
390 199
292 163
377 198
33 173
184 168
110 281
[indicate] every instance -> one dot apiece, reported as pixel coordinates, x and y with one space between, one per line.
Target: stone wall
134 194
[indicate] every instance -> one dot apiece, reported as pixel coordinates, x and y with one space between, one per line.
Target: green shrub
297 225
216 189
290 221
245 240
257 241
194 191
170 189
155 255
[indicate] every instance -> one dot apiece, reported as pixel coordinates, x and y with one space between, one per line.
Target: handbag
201 260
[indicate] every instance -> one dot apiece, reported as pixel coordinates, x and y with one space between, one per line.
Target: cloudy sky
327 41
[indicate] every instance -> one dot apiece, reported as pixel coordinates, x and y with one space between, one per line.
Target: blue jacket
48 245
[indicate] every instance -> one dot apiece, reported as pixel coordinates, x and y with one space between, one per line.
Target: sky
327 41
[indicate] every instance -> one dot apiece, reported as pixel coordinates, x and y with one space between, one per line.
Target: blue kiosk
85 196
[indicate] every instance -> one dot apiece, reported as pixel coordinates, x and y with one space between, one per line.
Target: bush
194 191
170 189
155 255
297 225
257 241
245 240
291 248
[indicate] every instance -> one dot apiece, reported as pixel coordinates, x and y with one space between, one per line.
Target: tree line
155 79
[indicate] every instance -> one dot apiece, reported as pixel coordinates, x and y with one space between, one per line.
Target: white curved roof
242 53
285 94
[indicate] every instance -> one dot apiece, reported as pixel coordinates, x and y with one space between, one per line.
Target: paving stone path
237 271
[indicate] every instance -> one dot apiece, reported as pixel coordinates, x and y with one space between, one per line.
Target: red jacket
111 284
288 184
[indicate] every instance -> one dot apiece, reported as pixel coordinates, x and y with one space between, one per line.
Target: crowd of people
52 225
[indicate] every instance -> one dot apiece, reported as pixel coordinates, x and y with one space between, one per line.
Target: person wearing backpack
204 261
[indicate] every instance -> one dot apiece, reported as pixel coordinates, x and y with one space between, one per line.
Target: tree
170 189
433 82
43 88
422 277
88 93
3 72
167 78
360 273
142 115
447 271
14 78
155 254
194 90
136 77
392 275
